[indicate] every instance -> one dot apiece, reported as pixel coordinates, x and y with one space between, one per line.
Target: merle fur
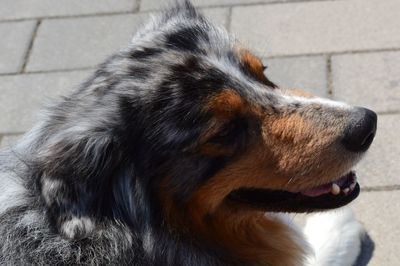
111 142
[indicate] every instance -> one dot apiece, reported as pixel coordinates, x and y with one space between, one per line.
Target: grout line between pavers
266 58
381 188
62 70
48 71
110 14
366 51
329 77
137 10
394 112
71 16
255 4
11 134
28 51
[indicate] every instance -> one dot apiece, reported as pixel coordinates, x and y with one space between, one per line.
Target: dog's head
214 130
200 128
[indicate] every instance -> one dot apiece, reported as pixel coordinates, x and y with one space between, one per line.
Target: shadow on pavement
367 250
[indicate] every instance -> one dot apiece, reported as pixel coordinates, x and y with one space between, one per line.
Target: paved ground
342 49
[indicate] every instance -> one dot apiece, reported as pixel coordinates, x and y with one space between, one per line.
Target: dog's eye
223 135
230 133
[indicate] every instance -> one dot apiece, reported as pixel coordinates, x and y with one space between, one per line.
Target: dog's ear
75 170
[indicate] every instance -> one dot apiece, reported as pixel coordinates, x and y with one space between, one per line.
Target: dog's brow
254 66
252 62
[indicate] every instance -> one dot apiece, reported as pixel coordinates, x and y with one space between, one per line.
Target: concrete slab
381 167
80 42
23 96
304 72
319 27
368 79
219 16
156 5
14 43
379 213
21 9
85 42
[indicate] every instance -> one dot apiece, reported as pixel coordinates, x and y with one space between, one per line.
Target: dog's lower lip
345 184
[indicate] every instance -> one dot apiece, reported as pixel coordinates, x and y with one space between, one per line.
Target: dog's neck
254 238
245 237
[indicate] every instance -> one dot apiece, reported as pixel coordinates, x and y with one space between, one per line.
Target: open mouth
327 196
345 184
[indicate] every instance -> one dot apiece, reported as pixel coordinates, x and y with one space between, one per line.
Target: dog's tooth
346 190
353 185
335 189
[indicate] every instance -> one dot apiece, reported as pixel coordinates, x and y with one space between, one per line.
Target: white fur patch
335 236
77 227
316 100
50 189
148 242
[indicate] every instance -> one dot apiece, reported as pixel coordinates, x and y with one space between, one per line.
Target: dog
178 150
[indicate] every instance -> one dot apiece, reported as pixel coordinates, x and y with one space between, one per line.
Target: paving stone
101 36
14 43
8 141
379 212
218 16
85 42
368 79
80 42
319 27
155 4
381 167
307 73
22 96
19 9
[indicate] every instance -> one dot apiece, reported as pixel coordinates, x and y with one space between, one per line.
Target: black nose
361 130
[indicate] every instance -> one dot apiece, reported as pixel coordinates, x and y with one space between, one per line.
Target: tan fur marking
253 63
226 104
245 233
215 150
248 171
303 150
255 239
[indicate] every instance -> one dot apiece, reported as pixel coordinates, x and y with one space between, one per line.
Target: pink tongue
317 191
